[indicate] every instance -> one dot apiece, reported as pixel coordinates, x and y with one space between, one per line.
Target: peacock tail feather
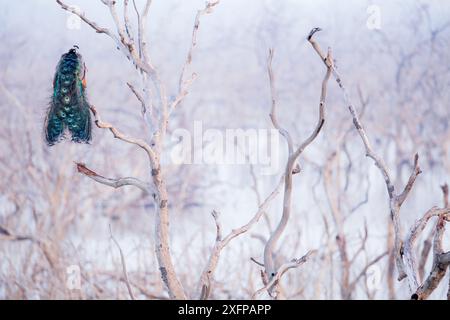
69 109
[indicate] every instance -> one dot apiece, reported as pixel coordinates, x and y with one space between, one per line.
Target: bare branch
111 4
427 244
115 183
125 47
126 21
273 115
215 215
124 266
295 263
323 95
257 262
395 201
409 252
138 15
139 97
208 272
369 151
364 270
138 54
441 261
91 23
142 31
119 135
183 83
401 198
270 268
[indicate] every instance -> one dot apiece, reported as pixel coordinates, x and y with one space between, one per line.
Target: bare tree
156 109
57 203
272 273
404 249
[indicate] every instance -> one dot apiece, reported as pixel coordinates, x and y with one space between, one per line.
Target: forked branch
291 168
220 243
404 252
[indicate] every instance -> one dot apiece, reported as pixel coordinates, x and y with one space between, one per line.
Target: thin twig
220 243
124 266
295 263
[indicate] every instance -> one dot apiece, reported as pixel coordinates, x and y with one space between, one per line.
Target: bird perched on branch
69 109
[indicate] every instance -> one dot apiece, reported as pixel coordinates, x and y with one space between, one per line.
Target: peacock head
74 58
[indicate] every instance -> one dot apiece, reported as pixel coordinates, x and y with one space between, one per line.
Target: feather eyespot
66 99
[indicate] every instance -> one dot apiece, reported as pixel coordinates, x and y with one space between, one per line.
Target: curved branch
208 272
395 201
412 178
364 270
441 262
295 263
185 84
139 97
273 110
119 135
115 183
409 255
122 43
287 201
124 266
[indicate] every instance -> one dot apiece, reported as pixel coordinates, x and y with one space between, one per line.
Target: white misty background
402 70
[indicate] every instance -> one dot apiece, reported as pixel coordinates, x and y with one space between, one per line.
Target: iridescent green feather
69 109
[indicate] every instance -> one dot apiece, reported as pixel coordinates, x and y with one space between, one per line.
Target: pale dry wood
427 244
121 136
363 272
409 256
113 182
122 45
404 251
395 200
220 243
291 168
126 21
139 97
295 263
441 262
124 265
159 117
183 83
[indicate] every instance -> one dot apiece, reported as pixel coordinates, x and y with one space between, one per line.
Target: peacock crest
69 110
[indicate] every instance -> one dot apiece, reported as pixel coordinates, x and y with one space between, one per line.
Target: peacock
69 109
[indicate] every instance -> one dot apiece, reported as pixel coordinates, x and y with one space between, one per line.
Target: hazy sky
232 91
